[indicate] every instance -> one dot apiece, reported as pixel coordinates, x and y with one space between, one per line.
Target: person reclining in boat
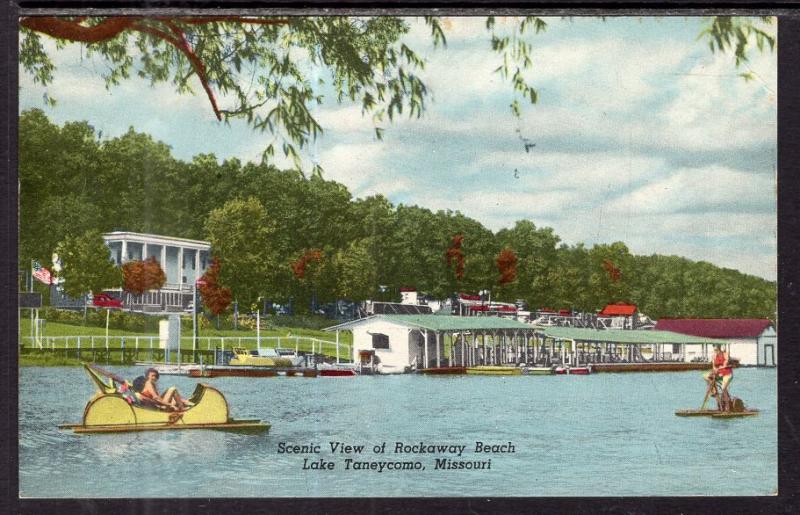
148 392
721 369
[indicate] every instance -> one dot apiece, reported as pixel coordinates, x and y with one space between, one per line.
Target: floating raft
715 413
239 426
489 370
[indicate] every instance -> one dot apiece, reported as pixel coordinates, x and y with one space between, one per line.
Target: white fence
308 344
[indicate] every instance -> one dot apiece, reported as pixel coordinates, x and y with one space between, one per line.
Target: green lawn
62 329
207 339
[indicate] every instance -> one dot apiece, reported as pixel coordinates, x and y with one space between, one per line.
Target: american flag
41 273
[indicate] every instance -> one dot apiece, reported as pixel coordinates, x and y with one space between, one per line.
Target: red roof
715 327
619 309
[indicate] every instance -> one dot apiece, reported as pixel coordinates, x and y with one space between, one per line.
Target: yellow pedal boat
115 408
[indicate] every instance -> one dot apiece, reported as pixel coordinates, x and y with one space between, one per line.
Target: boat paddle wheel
727 406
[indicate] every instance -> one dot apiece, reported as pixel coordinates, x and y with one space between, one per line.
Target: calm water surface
598 435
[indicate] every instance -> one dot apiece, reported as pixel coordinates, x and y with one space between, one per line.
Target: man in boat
721 370
171 398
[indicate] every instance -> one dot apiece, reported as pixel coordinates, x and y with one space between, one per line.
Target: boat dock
480 345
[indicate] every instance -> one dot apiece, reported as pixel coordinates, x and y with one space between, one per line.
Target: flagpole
30 290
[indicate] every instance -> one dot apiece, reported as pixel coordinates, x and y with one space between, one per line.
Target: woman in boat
171 398
721 368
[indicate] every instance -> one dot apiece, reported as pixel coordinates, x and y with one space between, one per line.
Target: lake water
597 435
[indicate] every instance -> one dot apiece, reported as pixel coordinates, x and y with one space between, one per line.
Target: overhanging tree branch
72 29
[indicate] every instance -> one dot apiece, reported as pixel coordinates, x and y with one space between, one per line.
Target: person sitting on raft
721 368
148 389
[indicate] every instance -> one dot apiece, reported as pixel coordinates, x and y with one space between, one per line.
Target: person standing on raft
721 369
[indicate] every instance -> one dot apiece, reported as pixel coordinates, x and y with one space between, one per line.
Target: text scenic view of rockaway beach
264 255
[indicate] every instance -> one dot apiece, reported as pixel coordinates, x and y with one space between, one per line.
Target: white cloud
712 188
357 165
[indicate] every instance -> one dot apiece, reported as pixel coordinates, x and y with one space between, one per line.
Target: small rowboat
715 413
115 409
490 370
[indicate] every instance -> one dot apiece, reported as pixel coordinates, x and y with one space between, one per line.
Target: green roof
444 323
622 336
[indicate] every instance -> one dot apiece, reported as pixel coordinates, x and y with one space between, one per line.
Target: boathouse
581 346
752 341
392 344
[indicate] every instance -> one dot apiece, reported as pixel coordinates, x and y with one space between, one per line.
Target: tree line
279 235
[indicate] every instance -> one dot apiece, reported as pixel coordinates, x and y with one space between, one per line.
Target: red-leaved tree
455 254
613 272
507 265
300 264
215 297
140 276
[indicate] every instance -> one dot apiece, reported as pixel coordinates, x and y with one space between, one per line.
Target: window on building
380 341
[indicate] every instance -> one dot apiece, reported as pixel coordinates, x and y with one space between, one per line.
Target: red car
104 300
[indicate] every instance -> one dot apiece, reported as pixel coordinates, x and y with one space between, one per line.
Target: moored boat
116 408
578 371
541 371
443 370
243 357
337 372
494 370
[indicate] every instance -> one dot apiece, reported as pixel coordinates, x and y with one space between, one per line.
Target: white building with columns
183 261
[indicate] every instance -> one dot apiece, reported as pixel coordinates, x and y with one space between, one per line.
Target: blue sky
642 135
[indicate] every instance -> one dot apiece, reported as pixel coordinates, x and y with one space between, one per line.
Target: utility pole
197 282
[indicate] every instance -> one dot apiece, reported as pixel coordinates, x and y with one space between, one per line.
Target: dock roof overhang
624 336
442 323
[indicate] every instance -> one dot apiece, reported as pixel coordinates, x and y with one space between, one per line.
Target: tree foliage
86 264
140 276
215 297
259 220
243 236
507 266
455 256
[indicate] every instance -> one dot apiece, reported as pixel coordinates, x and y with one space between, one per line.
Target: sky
641 134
